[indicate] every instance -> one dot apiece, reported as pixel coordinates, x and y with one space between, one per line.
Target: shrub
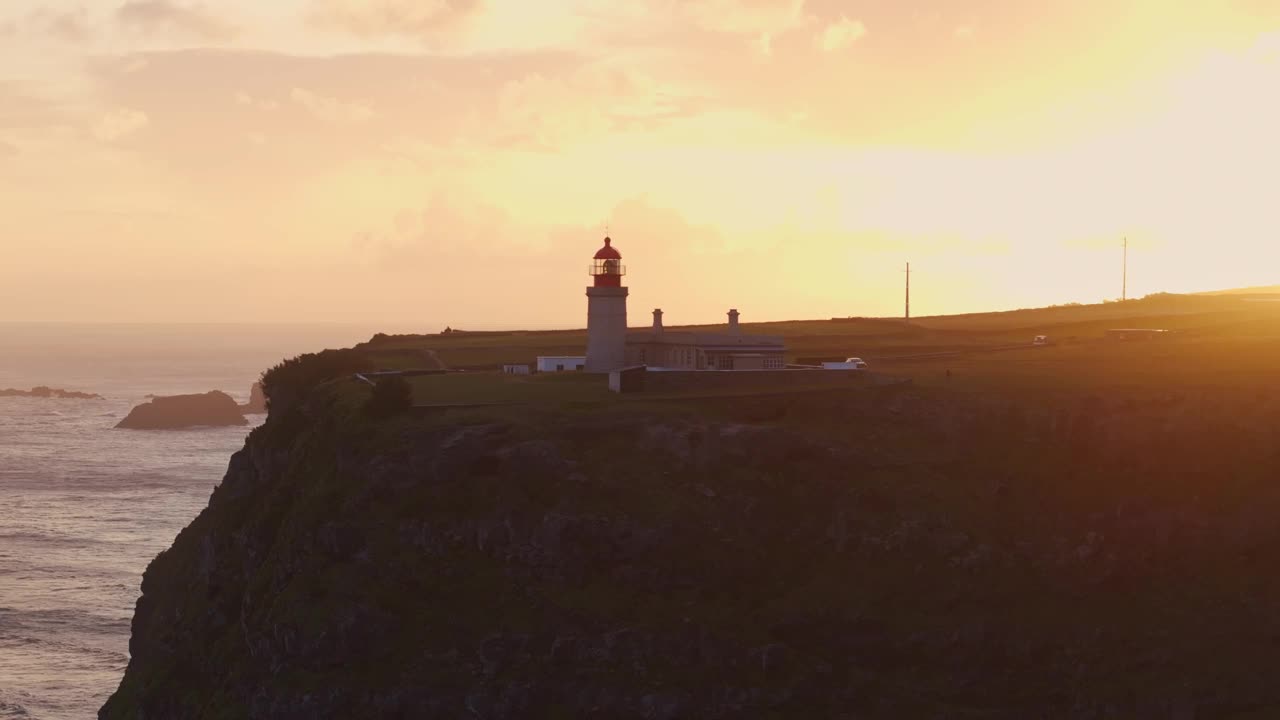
391 396
290 381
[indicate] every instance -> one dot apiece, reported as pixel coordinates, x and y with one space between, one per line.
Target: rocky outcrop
212 409
48 392
257 404
883 553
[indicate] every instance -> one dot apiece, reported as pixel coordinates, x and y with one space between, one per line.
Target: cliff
212 409
881 553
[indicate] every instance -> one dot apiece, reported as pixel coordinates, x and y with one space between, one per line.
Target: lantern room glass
608 267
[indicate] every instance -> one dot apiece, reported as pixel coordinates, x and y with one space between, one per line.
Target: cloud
369 18
329 109
747 17
246 100
549 112
167 16
68 25
764 44
119 123
203 102
428 255
7 149
841 34
963 32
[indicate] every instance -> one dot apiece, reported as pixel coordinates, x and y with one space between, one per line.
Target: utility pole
908 313
1124 282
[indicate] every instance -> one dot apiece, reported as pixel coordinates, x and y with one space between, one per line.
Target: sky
421 163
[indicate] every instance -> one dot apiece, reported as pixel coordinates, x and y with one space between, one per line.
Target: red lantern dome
608 268
608 252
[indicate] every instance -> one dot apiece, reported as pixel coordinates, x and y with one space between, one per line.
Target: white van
848 364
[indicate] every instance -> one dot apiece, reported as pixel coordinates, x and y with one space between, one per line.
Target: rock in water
48 392
257 404
183 411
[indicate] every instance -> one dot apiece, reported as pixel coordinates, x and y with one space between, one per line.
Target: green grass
875 339
1175 363
483 388
1219 342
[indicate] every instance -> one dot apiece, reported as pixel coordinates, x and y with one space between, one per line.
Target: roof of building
608 252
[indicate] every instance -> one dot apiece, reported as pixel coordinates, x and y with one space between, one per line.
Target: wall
692 381
627 380
548 364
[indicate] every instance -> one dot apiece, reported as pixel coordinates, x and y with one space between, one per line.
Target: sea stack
257 404
212 409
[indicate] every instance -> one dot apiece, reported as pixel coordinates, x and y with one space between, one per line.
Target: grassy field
1219 342
489 388
878 340
1177 363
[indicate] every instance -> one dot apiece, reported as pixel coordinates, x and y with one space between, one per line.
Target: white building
561 363
515 369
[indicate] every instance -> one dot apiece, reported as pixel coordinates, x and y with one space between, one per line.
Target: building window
560 367
641 356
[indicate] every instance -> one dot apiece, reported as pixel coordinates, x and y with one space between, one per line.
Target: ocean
84 507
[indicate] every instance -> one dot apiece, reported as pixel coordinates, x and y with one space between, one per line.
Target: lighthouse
606 311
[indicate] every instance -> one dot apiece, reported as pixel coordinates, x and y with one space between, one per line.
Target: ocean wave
85 654
21 624
43 539
11 710
12 704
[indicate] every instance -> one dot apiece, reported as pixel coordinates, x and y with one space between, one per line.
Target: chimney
657 320
733 322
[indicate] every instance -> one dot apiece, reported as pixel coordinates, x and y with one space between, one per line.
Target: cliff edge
873 553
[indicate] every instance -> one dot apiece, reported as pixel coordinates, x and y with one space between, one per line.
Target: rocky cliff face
873 554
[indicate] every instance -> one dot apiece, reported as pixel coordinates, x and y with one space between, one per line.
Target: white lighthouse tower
606 312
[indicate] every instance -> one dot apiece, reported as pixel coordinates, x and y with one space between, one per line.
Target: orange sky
423 162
